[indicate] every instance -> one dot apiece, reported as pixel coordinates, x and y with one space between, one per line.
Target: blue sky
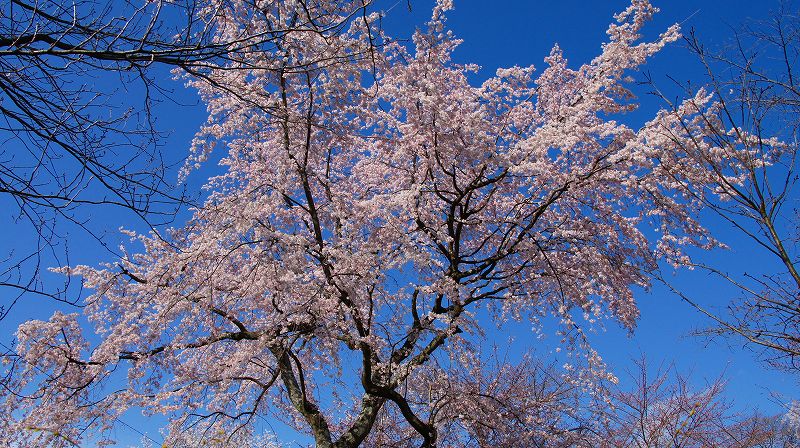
519 32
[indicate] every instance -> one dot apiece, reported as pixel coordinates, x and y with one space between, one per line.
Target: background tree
70 141
204 437
753 126
662 409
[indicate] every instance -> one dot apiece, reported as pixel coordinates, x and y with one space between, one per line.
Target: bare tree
663 409
747 153
70 138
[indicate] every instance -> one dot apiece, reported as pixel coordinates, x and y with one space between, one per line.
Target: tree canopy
377 214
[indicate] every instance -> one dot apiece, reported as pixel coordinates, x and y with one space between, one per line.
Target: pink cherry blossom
377 212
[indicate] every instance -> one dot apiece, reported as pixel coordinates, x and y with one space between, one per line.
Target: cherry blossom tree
80 83
792 421
378 214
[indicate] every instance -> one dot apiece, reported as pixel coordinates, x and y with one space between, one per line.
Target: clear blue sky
522 32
